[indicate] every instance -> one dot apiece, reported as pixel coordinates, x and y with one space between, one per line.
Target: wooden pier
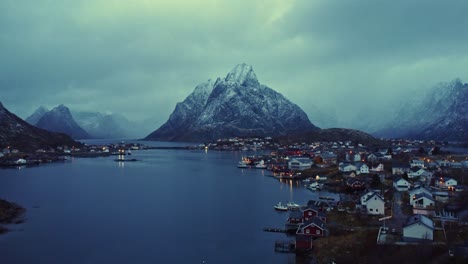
275 230
285 246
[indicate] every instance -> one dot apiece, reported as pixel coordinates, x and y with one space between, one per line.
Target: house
379 168
347 167
400 168
327 158
303 242
376 156
445 182
300 163
419 172
355 183
313 227
417 163
401 184
422 200
362 168
415 191
418 228
373 203
443 163
1 154
357 157
312 211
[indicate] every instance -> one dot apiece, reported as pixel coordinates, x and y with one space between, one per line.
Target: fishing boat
314 186
242 164
281 207
292 205
261 165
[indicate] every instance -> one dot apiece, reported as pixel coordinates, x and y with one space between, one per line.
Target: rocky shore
10 213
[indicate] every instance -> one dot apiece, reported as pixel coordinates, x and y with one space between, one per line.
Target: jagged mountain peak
61 120
242 74
38 114
229 109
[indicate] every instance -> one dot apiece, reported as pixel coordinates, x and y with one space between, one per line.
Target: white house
413 192
422 200
419 173
418 228
362 168
379 168
417 163
445 182
1 154
399 168
357 157
373 203
401 184
300 163
347 167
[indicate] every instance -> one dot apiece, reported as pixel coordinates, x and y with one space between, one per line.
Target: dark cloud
343 57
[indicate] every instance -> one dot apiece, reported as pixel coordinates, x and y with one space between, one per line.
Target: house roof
420 189
400 165
423 194
295 214
313 221
374 195
414 219
399 179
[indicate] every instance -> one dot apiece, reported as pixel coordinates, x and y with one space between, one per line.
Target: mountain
21 135
61 120
441 114
237 105
34 117
100 125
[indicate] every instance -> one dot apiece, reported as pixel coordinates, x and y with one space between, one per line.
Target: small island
10 213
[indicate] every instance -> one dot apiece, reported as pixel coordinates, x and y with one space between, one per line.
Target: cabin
401 184
418 228
295 217
362 168
300 163
326 158
313 227
313 211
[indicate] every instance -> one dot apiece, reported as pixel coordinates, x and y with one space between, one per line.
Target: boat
242 164
292 205
314 186
261 165
280 207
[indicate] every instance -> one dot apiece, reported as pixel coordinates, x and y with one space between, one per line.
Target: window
310 213
376 210
317 232
371 209
307 231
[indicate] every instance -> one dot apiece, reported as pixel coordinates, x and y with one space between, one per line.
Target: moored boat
242 164
281 207
292 205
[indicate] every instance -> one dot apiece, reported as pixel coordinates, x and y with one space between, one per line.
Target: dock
275 230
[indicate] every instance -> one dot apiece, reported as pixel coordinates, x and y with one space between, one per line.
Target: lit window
307 231
317 232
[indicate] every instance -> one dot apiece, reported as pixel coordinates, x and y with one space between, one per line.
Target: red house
303 242
313 227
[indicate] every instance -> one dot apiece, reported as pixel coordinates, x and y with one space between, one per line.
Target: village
406 196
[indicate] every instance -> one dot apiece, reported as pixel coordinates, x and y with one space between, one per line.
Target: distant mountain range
85 125
61 120
17 133
237 105
441 114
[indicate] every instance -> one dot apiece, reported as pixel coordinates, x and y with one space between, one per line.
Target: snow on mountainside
19 134
38 114
61 120
237 105
100 125
441 114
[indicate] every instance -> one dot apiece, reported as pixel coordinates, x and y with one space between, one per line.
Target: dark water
173 206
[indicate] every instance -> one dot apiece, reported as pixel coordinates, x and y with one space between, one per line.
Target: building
445 182
362 168
300 163
413 192
313 227
422 200
418 228
401 184
373 203
417 163
400 168
347 167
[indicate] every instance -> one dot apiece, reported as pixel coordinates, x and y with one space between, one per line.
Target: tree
375 183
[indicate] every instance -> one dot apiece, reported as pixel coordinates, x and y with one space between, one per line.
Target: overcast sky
141 57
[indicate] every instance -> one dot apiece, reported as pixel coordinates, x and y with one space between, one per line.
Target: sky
340 60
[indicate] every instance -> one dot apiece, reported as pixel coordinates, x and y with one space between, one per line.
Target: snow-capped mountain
61 120
38 114
237 105
440 114
17 133
100 125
